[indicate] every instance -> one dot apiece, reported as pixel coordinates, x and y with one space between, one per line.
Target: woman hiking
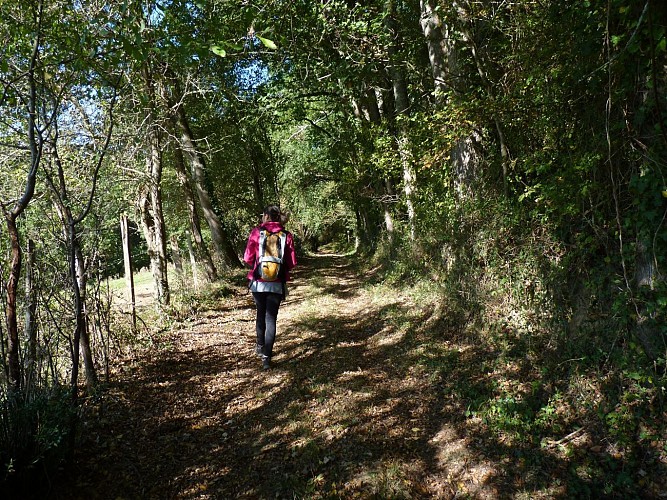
270 255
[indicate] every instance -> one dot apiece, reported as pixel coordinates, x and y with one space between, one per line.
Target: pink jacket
251 249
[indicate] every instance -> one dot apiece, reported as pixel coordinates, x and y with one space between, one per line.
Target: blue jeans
265 324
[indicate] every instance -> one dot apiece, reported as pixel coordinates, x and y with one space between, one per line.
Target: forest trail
348 410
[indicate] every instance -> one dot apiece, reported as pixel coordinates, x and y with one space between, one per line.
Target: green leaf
662 45
233 46
269 44
216 49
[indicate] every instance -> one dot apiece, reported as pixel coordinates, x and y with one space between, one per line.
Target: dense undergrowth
564 370
34 437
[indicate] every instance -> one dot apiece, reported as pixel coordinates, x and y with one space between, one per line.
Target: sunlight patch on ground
347 376
349 344
391 478
389 337
459 470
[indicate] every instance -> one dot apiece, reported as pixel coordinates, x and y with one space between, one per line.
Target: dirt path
350 410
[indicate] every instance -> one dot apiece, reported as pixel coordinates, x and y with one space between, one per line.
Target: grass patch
140 279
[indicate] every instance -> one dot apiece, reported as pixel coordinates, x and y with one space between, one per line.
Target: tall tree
440 47
71 218
23 84
142 40
201 253
399 85
149 201
223 244
448 80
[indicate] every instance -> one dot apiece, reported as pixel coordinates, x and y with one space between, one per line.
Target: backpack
270 255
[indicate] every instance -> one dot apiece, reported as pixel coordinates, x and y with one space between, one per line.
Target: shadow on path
367 399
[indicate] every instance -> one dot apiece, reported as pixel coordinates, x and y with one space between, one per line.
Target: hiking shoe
266 362
258 349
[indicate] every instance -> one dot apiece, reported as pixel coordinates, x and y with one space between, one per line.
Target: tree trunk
13 356
648 330
648 278
270 161
440 49
193 262
258 192
153 229
465 160
176 256
482 72
129 272
76 263
386 208
443 59
223 246
201 253
80 283
401 111
159 230
363 237
367 110
30 317
78 277
151 200
35 144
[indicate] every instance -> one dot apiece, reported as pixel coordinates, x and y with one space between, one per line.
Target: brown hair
273 213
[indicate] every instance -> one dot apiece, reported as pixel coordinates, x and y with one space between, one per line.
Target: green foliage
536 245
314 186
34 437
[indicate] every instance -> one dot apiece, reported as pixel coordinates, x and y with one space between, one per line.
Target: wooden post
129 276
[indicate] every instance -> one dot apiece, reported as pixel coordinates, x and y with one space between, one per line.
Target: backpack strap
283 268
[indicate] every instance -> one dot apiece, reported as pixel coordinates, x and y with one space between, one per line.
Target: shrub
34 431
